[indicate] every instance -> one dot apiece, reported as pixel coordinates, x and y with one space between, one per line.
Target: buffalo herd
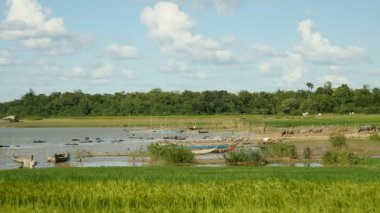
362 129
367 128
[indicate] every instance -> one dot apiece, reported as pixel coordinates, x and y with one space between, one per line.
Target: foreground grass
191 189
239 122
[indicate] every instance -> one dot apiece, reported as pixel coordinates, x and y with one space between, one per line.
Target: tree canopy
324 99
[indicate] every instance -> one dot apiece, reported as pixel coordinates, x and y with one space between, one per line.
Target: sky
111 46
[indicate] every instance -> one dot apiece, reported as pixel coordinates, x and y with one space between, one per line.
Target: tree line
324 99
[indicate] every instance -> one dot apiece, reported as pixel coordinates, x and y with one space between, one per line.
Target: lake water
21 142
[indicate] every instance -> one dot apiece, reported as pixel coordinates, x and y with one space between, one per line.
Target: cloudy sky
110 46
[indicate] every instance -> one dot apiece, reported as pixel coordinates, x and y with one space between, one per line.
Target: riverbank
214 122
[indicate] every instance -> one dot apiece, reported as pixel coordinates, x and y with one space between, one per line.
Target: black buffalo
287 132
367 128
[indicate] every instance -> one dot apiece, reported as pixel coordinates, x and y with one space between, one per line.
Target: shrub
245 155
171 153
279 150
340 158
374 136
338 140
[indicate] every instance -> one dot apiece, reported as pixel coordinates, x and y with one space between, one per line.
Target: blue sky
110 46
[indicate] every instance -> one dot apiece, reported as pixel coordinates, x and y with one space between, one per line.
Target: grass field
238 122
191 189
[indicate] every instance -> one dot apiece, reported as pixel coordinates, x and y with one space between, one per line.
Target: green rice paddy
191 189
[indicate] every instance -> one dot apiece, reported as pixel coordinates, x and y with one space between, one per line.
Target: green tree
344 93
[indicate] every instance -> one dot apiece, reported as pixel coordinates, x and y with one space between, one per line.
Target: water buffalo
319 130
287 132
367 128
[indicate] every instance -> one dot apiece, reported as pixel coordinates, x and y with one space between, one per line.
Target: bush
340 158
338 140
374 136
245 155
171 153
279 150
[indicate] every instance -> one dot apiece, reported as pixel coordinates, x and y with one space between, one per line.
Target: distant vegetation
325 99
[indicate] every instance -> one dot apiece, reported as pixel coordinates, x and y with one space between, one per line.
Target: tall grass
245 156
189 189
171 153
340 155
374 136
279 150
338 140
340 158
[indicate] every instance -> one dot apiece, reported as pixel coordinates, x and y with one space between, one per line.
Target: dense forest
324 99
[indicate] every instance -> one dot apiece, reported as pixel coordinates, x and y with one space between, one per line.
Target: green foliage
338 140
345 157
171 153
245 156
279 150
374 136
157 102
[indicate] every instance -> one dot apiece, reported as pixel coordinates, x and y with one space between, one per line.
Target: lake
44 142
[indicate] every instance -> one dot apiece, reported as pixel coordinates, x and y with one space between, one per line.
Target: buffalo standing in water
367 128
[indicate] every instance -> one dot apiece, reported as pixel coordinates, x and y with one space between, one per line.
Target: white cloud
118 51
221 6
27 18
180 67
77 72
57 46
28 21
265 50
171 27
129 74
195 75
317 49
99 81
6 58
37 43
102 72
226 6
176 67
290 68
335 68
229 39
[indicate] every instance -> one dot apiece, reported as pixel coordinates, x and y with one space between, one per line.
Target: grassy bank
191 189
238 122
